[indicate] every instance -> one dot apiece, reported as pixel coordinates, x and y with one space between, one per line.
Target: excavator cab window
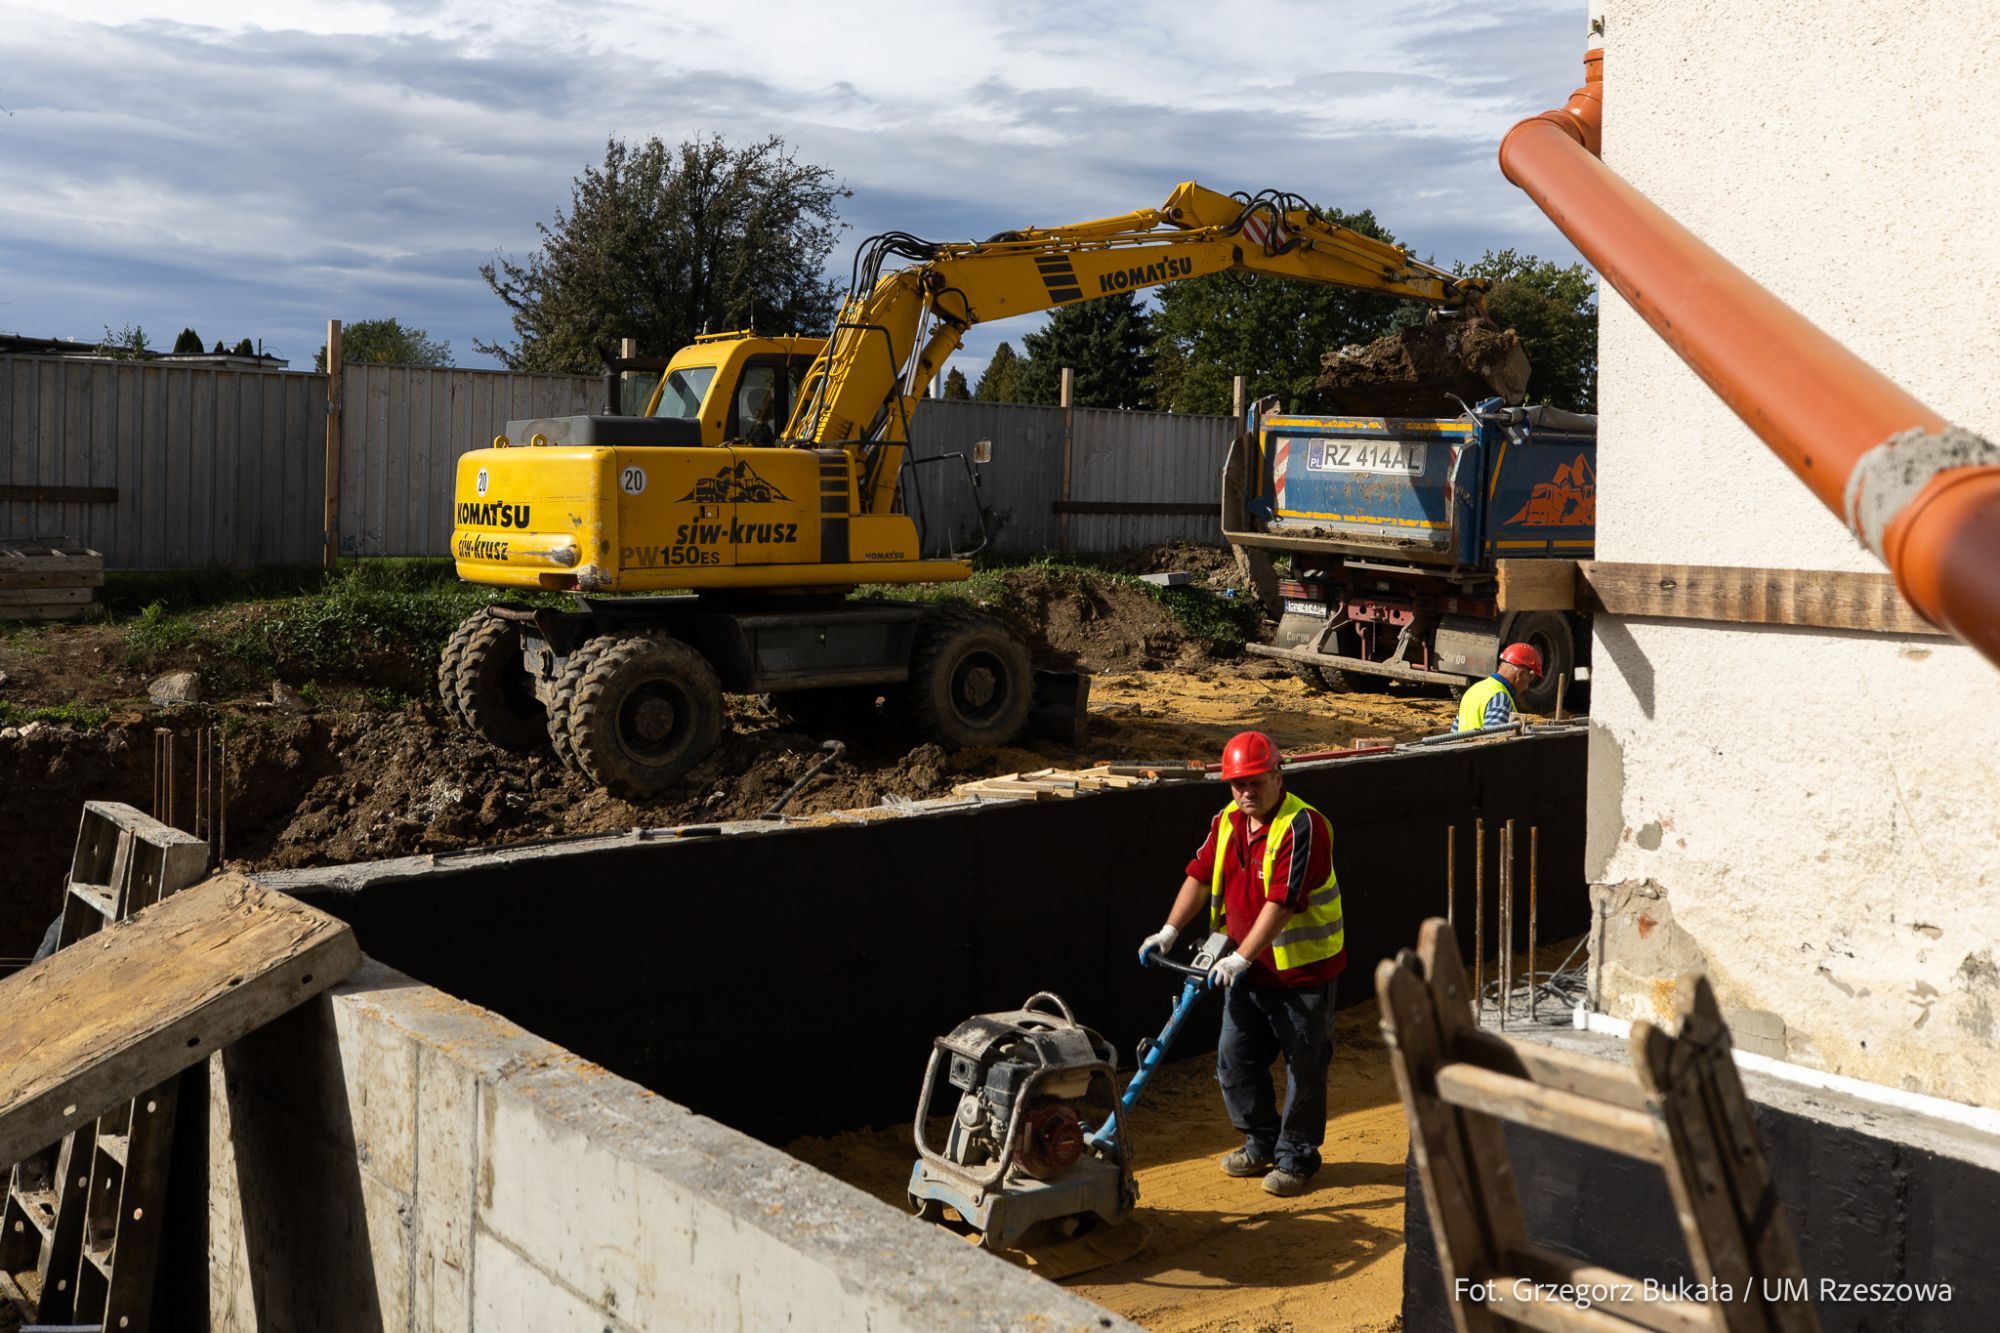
682 392
764 397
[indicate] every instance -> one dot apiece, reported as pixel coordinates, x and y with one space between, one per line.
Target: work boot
1285 1184
1245 1162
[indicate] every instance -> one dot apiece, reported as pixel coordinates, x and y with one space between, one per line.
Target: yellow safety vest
1472 707
1316 930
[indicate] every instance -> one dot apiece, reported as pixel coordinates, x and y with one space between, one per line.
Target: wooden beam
1537 585
77 495
1134 507
1823 599
1551 1110
144 998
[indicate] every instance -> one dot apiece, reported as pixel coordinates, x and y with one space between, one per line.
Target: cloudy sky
252 170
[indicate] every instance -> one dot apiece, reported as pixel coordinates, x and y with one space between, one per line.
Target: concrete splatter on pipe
1922 494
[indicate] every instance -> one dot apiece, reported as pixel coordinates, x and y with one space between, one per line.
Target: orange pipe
1924 496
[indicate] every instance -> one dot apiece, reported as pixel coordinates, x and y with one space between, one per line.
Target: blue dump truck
1395 529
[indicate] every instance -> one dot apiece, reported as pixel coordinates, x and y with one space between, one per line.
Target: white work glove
1161 939
1225 972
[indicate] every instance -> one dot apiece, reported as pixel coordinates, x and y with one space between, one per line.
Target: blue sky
253 170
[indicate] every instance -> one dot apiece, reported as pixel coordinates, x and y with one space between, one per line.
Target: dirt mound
1416 372
1208 564
1077 622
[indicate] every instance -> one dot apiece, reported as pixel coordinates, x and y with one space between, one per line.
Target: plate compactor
1034 1154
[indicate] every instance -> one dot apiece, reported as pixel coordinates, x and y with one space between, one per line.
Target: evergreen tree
955 386
1001 381
188 342
661 244
1104 340
244 348
218 348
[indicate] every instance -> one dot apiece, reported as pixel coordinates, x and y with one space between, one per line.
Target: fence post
330 532
1062 516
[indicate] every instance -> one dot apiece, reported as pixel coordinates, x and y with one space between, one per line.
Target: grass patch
82 716
156 634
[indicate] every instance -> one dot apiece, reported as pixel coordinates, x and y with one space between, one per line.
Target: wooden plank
43 611
1821 599
11 596
1551 1110
80 495
227 432
1600 1080
1664 1314
1537 585
88 1028
1451 1179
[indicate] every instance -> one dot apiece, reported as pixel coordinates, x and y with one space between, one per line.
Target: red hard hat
1249 754
1522 655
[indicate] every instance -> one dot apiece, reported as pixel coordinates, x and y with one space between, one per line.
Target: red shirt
1304 860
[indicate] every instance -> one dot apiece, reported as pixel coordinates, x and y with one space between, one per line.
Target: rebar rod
1478 920
1534 860
1506 959
1451 875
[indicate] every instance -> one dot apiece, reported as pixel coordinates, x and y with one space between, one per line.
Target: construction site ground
1221 1255
327 771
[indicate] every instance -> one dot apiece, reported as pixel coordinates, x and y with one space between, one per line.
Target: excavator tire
495 696
971 681
448 660
1548 632
646 709
573 668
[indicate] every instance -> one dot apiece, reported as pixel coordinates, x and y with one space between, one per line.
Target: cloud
365 158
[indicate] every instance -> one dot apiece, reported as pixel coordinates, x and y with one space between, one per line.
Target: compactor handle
1213 950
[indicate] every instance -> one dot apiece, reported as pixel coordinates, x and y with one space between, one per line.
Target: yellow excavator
762 485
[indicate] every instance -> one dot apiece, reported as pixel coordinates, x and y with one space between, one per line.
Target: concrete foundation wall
1808 816
390 1158
792 981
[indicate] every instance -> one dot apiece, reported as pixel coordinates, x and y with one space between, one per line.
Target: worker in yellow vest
1493 701
1265 874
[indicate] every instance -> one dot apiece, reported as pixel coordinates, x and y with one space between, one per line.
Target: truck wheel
1548 633
448 660
495 695
971 683
563 697
646 709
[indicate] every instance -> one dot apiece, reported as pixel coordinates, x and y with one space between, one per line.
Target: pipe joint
1889 476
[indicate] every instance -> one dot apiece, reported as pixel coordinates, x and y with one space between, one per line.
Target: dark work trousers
1259 1023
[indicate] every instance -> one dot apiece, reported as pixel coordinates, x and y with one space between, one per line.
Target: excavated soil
349 779
1424 372
1221 1255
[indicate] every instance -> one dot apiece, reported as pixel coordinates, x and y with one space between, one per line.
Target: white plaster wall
1814 810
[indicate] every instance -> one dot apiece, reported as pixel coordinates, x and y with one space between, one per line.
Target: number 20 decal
632 480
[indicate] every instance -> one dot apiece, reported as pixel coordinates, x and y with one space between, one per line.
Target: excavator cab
736 387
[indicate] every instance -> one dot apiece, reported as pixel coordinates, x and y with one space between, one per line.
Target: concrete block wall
392 1158
1807 816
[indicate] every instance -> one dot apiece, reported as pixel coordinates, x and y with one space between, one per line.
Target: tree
1104 341
385 342
1554 309
218 348
1001 381
661 244
1269 330
189 341
954 385
243 348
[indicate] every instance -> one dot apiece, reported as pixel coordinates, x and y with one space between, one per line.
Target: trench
789 983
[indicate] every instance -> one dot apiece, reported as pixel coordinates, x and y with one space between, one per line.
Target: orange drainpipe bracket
1922 494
